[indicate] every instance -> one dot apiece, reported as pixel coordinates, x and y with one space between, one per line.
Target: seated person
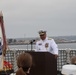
70 69
24 63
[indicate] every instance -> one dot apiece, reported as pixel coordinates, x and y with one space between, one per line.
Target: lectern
44 63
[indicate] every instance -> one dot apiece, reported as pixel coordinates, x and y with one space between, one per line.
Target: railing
64 57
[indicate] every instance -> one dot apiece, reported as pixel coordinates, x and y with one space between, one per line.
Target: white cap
69 69
13 74
42 32
1 13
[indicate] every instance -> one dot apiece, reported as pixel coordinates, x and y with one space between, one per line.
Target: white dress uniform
48 45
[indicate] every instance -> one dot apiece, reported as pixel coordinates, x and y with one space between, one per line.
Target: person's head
73 60
24 63
42 34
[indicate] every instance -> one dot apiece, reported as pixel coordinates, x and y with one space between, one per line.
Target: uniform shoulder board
49 38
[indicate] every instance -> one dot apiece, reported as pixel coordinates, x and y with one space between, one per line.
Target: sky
24 18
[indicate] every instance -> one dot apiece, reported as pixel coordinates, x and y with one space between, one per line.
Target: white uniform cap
13 74
69 69
42 32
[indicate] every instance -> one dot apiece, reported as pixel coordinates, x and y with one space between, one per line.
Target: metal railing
64 57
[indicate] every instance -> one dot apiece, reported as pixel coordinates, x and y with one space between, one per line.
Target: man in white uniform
46 44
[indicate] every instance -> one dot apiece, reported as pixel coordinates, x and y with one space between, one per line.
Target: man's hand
55 55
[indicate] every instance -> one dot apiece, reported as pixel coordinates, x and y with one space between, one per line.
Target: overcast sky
24 18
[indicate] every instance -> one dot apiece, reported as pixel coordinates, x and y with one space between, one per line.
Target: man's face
43 37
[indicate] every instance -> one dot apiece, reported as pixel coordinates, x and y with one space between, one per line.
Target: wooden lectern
44 63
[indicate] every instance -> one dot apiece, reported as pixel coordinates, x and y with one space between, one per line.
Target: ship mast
4 47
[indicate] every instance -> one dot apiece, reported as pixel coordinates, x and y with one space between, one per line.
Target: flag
2 41
1 56
2 34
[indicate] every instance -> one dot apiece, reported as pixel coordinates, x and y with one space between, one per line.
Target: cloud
28 16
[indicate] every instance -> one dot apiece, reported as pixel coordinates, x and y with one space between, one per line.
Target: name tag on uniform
40 44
